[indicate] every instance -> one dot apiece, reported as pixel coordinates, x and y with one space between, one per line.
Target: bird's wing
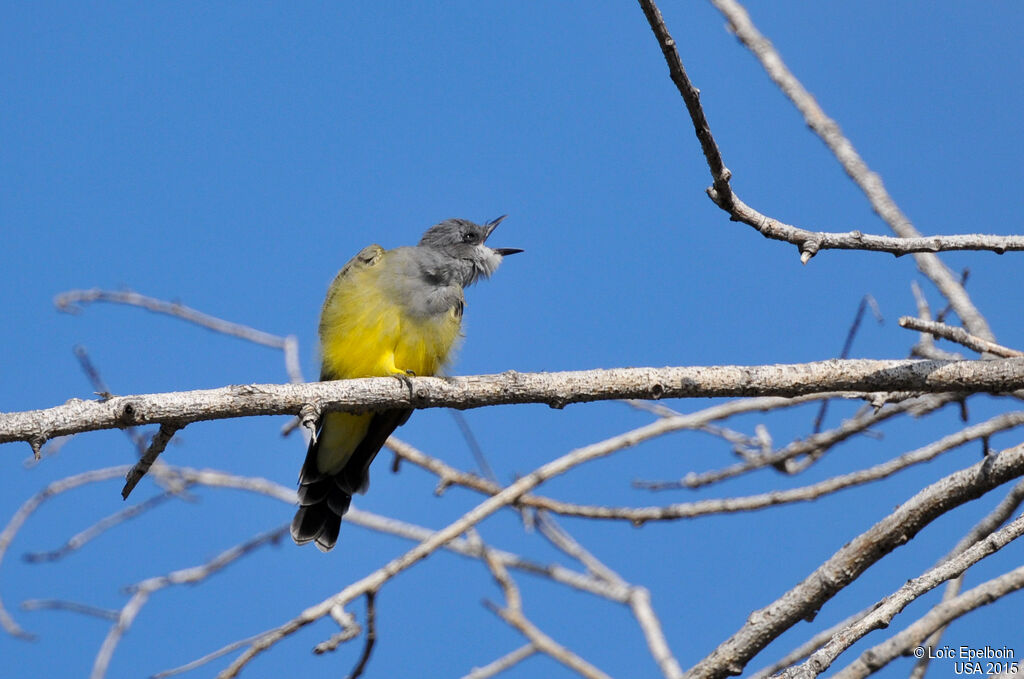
367 257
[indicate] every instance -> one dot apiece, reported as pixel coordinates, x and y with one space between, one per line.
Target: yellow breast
363 333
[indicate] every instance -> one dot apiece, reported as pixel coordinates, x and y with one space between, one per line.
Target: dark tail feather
324 499
321 505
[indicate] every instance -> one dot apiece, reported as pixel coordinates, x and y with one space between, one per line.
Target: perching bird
387 312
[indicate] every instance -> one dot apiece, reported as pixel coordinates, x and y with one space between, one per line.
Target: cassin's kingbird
388 312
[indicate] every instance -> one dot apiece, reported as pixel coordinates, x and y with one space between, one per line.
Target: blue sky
234 155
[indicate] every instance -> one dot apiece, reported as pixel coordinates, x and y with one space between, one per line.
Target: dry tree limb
981 530
217 479
556 389
688 510
156 446
371 635
885 610
869 182
809 242
437 540
81 538
513 615
28 507
503 663
958 335
925 347
639 597
941 615
808 647
72 606
143 590
70 301
350 629
842 568
199 662
813 446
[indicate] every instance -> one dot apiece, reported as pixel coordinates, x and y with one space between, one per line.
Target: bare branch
720 174
209 657
941 615
555 389
981 530
69 302
29 506
513 615
156 446
442 537
958 335
689 510
72 606
855 557
869 182
640 602
371 635
503 663
888 608
812 242
142 591
350 629
78 540
808 647
813 446
925 347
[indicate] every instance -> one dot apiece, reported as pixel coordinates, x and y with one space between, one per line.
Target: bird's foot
403 377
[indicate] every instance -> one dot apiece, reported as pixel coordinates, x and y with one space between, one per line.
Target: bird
391 312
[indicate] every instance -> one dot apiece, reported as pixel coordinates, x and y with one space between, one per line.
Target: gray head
465 241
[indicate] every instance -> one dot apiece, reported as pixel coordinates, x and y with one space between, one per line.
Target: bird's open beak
491 226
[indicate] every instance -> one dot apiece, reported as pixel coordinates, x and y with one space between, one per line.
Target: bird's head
467 242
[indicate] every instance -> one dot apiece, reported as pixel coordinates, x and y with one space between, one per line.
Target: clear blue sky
234 155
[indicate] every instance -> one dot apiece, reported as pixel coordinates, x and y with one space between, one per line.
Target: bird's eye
469 237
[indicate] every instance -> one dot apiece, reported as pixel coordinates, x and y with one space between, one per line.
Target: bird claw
403 377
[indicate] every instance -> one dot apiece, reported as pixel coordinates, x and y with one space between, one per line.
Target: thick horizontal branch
555 389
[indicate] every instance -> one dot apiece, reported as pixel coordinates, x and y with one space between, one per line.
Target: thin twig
873 659
503 663
981 530
506 497
156 446
855 557
813 445
78 540
869 182
209 657
885 610
866 302
143 590
808 647
70 301
72 606
28 507
958 335
513 615
371 635
925 346
688 510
